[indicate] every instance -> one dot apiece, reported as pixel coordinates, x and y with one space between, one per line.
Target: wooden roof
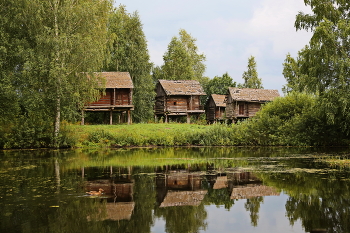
182 87
120 210
183 198
219 100
117 79
253 95
114 211
249 191
221 182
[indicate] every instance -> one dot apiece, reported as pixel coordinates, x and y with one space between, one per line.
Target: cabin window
174 103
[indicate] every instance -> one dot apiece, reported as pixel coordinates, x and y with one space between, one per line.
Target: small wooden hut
243 103
215 108
178 98
118 95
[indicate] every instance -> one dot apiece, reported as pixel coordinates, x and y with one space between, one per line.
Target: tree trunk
58 100
57 121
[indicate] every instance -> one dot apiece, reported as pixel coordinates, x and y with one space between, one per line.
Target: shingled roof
246 192
182 87
116 79
219 100
253 95
183 198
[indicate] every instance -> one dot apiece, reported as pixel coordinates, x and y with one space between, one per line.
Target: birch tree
64 39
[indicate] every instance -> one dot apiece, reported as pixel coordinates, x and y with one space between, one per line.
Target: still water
174 190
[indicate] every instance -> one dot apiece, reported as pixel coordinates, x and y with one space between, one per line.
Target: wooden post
129 117
166 118
82 117
188 118
111 117
122 117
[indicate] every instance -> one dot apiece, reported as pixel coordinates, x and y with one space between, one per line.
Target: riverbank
135 135
174 134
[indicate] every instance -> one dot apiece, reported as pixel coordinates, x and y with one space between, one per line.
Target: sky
228 32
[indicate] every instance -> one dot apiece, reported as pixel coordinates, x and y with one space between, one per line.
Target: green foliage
9 51
54 42
295 119
322 67
182 61
219 85
29 132
250 77
129 53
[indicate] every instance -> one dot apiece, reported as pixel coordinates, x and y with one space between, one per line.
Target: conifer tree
250 77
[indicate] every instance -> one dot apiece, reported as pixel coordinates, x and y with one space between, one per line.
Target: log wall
115 97
176 104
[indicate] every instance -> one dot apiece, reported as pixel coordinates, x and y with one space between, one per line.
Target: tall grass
173 134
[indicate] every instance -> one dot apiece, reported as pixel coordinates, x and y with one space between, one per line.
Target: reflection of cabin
245 185
246 102
118 196
178 98
183 198
220 183
186 184
253 190
118 95
215 108
116 192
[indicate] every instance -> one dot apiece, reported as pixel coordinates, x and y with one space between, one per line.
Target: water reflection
171 190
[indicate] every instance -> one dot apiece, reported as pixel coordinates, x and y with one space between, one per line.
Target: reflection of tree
253 205
182 219
319 201
219 197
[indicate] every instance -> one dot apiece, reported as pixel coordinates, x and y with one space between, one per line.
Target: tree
250 77
182 61
8 60
63 40
291 73
323 66
219 85
129 53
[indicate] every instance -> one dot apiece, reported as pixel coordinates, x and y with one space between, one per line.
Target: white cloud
227 31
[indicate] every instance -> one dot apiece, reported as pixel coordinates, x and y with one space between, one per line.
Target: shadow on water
173 190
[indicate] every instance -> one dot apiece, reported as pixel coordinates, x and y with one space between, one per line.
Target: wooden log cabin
118 95
215 108
243 103
178 98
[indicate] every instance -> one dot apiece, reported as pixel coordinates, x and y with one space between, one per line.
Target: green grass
134 135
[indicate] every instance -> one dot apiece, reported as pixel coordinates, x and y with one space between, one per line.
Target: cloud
227 32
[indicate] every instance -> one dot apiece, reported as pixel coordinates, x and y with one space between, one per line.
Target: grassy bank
156 135
134 135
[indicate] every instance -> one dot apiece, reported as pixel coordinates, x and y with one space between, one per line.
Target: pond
173 190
